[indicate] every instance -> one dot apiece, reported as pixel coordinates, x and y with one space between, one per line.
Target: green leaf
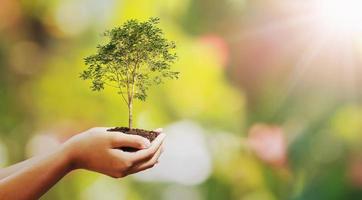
137 55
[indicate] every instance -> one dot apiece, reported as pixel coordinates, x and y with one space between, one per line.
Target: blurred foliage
239 66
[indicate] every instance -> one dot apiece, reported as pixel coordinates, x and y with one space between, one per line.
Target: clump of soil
150 135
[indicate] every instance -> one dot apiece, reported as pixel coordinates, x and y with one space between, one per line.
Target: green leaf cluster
136 56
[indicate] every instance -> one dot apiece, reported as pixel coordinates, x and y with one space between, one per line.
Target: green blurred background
268 105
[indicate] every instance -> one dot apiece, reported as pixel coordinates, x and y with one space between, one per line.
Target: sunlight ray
301 67
270 28
349 69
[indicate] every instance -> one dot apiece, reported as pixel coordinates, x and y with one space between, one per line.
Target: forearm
40 174
5 172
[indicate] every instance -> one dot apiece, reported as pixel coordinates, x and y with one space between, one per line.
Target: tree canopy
136 56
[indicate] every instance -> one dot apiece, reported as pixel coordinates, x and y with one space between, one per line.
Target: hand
98 150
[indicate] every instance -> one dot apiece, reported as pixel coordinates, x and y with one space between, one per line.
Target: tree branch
119 83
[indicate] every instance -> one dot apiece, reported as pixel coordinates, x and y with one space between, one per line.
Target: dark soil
150 135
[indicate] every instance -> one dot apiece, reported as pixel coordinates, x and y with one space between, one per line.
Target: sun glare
341 15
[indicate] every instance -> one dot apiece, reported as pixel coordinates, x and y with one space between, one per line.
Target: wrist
69 157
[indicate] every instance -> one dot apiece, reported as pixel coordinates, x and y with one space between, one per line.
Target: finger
147 164
119 155
159 130
100 129
148 153
125 140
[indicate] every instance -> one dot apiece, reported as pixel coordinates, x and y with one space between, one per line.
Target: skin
95 150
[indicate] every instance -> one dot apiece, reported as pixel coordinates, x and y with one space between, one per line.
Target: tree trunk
130 115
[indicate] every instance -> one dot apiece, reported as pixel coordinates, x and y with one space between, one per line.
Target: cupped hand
99 150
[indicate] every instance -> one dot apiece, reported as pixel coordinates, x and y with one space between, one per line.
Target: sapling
136 56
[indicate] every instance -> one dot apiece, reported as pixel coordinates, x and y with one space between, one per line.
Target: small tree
136 56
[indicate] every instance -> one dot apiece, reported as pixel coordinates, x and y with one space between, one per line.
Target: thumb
119 140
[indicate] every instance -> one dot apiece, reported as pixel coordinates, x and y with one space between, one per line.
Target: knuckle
148 155
150 152
149 166
127 164
117 174
119 165
139 143
113 175
120 175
